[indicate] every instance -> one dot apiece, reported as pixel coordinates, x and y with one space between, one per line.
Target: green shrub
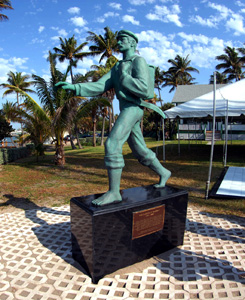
8 155
88 141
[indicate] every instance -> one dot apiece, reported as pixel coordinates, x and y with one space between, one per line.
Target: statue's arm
138 81
89 89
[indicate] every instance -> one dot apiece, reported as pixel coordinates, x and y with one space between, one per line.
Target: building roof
185 93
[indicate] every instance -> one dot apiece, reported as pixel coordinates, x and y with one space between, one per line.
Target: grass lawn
28 184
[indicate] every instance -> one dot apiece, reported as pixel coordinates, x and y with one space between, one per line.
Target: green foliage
5 4
231 63
153 127
5 127
88 141
104 45
8 155
179 73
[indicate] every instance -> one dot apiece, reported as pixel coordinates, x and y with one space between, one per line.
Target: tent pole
163 138
178 139
213 135
226 133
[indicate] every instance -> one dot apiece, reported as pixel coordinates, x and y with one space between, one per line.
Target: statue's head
127 37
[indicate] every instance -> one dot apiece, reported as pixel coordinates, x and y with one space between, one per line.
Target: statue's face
123 43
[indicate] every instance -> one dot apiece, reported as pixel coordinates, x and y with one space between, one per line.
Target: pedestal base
147 222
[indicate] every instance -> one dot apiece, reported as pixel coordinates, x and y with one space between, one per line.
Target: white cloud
62 33
239 3
224 17
14 64
204 22
37 41
131 10
236 23
107 15
115 5
110 14
157 48
140 2
165 14
130 19
194 38
55 38
74 10
40 29
166 1
78 21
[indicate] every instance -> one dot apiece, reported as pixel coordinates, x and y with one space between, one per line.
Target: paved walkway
36 262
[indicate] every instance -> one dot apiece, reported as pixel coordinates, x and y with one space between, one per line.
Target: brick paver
36 262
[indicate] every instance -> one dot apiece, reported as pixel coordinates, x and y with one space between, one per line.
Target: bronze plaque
148 221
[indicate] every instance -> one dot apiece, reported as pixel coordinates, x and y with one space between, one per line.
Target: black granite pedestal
147 222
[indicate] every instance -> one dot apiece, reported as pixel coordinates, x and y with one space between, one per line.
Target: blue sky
200 29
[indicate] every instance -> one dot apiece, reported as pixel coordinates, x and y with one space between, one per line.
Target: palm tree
92 107
96 74
17 80
10 113
173 80
5 127
179 73
242 58
104 113
181 67
35 119
105 45
70 51
5 4
59 104
159 77
220 78
231 63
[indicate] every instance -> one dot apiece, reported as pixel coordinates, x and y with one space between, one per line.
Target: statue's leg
114 161
147 157
113 195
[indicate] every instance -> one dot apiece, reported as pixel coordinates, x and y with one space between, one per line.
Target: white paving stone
36 262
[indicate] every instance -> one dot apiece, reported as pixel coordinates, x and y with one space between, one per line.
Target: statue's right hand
64 85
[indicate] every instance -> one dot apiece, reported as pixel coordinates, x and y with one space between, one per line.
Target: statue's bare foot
163 179
108 198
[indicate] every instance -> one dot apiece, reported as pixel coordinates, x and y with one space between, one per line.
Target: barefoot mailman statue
133 81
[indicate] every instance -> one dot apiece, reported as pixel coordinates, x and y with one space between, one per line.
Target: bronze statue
133 80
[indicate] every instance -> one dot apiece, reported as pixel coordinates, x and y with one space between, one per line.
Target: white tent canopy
230 98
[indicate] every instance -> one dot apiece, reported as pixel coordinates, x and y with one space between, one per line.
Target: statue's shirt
130 78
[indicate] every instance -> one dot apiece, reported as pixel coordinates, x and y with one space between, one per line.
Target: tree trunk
78 141
73 147
71 72
77 136
12 141
60 155
102 132
160 96
94 132
110 119
142 124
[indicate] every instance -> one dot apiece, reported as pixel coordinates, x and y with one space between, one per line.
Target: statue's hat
128 33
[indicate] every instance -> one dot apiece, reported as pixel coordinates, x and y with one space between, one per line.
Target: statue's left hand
64 85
